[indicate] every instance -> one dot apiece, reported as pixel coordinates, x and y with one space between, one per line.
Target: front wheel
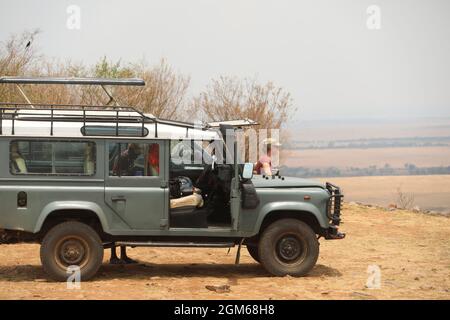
71 244
288 247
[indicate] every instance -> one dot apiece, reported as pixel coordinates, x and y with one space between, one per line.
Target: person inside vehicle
18 164
153 160
124 164
264 164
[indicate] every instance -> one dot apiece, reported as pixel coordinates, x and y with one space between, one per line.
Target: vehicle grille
334 204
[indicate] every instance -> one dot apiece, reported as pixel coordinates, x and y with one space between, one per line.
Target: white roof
71 129
235 123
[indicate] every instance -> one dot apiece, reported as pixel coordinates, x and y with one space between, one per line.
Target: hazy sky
320 51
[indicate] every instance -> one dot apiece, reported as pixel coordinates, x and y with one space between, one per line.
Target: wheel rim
290 249
71 250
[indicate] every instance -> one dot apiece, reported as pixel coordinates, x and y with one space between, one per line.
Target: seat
19 165
187 212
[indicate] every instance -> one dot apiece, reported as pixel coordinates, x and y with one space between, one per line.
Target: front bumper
334 212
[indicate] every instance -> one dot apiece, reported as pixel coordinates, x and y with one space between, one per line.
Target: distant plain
342 158
431 192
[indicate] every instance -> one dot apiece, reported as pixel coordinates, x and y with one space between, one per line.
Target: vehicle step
176 244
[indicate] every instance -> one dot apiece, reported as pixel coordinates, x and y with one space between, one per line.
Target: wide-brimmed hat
272 142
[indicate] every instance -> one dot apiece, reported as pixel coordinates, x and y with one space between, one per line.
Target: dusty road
412 251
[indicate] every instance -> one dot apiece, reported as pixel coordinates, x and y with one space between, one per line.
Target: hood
288 182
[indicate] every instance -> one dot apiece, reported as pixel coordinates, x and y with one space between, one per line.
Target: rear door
135 183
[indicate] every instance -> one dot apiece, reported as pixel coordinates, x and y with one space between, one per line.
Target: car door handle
118 198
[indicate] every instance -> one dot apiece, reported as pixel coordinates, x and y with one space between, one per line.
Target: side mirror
247 171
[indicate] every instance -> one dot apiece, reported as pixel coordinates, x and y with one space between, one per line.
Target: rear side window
52 157
134 159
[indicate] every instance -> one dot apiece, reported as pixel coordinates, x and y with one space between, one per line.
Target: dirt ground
412 251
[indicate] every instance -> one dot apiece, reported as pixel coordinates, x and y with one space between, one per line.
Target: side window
52 157
134 159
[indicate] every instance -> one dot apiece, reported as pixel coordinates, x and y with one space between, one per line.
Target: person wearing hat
264 164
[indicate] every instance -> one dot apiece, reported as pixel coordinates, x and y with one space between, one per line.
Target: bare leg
114 259
124 257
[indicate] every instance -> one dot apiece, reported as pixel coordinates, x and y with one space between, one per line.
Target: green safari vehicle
78 179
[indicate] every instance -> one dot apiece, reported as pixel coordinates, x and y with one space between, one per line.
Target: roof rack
102 82
116 115
75 81
74 113
88 114
235 123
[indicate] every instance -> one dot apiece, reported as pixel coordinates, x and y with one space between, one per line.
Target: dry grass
405 200
412 250
430 192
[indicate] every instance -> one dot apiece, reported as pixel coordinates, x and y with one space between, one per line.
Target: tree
165 92
229 98
17 56
163 95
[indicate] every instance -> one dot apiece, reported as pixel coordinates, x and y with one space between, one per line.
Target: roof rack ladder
111 97
24 95
117 123
51 120
84 118
12 120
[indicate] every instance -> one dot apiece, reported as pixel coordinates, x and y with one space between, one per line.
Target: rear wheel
288 247
253 251
71 244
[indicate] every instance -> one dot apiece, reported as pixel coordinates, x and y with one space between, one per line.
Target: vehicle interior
199 191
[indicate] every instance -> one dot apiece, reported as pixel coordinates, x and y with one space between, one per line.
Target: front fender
291 206
71 205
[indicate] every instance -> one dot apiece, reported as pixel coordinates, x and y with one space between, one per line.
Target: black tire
71 243
288 247
253 251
